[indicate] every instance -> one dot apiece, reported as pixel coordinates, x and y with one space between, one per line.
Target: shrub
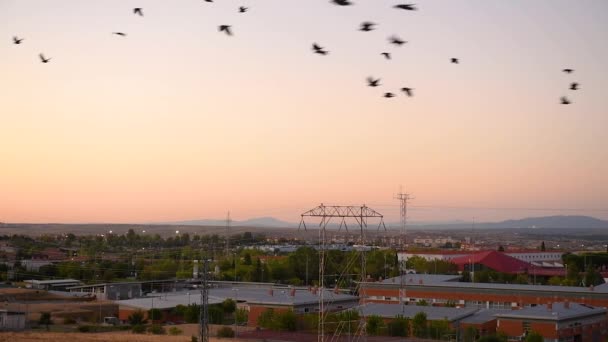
136 318
533 336
69 320
374 325
193 339
84 328
225 332
175 331
399 326
157 330
138 329
419 325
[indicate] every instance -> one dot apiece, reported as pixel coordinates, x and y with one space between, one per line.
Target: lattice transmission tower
360 214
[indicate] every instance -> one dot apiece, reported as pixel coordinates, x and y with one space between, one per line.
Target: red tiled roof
495 260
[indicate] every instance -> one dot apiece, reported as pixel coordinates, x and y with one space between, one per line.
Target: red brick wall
256 311
511 328
547 329
486 328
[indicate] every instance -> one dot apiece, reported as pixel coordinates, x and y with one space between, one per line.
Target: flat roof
484 315
262 296
280 295
425 278
557 312
51 282
433 313
168 301
451 281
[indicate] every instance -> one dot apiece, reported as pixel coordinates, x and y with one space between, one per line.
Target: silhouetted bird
574 86
243 9
564 100
455 60
387 55
372 82
409 7
367 26
225 28
139 11
342 2
43 59
408 91
317 49
122 34
396 40
209 0
389 95
17 40
568 71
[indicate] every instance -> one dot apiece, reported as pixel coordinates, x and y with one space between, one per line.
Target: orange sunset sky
177 121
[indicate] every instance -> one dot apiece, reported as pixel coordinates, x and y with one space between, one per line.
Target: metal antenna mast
403 199
360 214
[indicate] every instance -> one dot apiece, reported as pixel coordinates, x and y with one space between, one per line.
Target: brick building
439 289
557 322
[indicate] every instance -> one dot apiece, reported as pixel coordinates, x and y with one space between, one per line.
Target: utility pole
403 198
228 221
204 311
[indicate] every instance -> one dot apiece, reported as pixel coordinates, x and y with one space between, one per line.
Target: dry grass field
98 337
63 337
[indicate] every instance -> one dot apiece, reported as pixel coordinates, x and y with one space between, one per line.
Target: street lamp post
236 307
235 267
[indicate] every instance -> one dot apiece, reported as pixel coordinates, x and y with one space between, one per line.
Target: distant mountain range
262 222
531 222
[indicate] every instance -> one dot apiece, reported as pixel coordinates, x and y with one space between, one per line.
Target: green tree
155 314
470 334
229 305
267 319
216 314
287 321
422 302
419 325
192 313
399 326
374 325
438 329
136 318
593 277
501 248
542 247
241 316
534 336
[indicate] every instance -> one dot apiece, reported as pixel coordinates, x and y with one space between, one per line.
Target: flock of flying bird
366 26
